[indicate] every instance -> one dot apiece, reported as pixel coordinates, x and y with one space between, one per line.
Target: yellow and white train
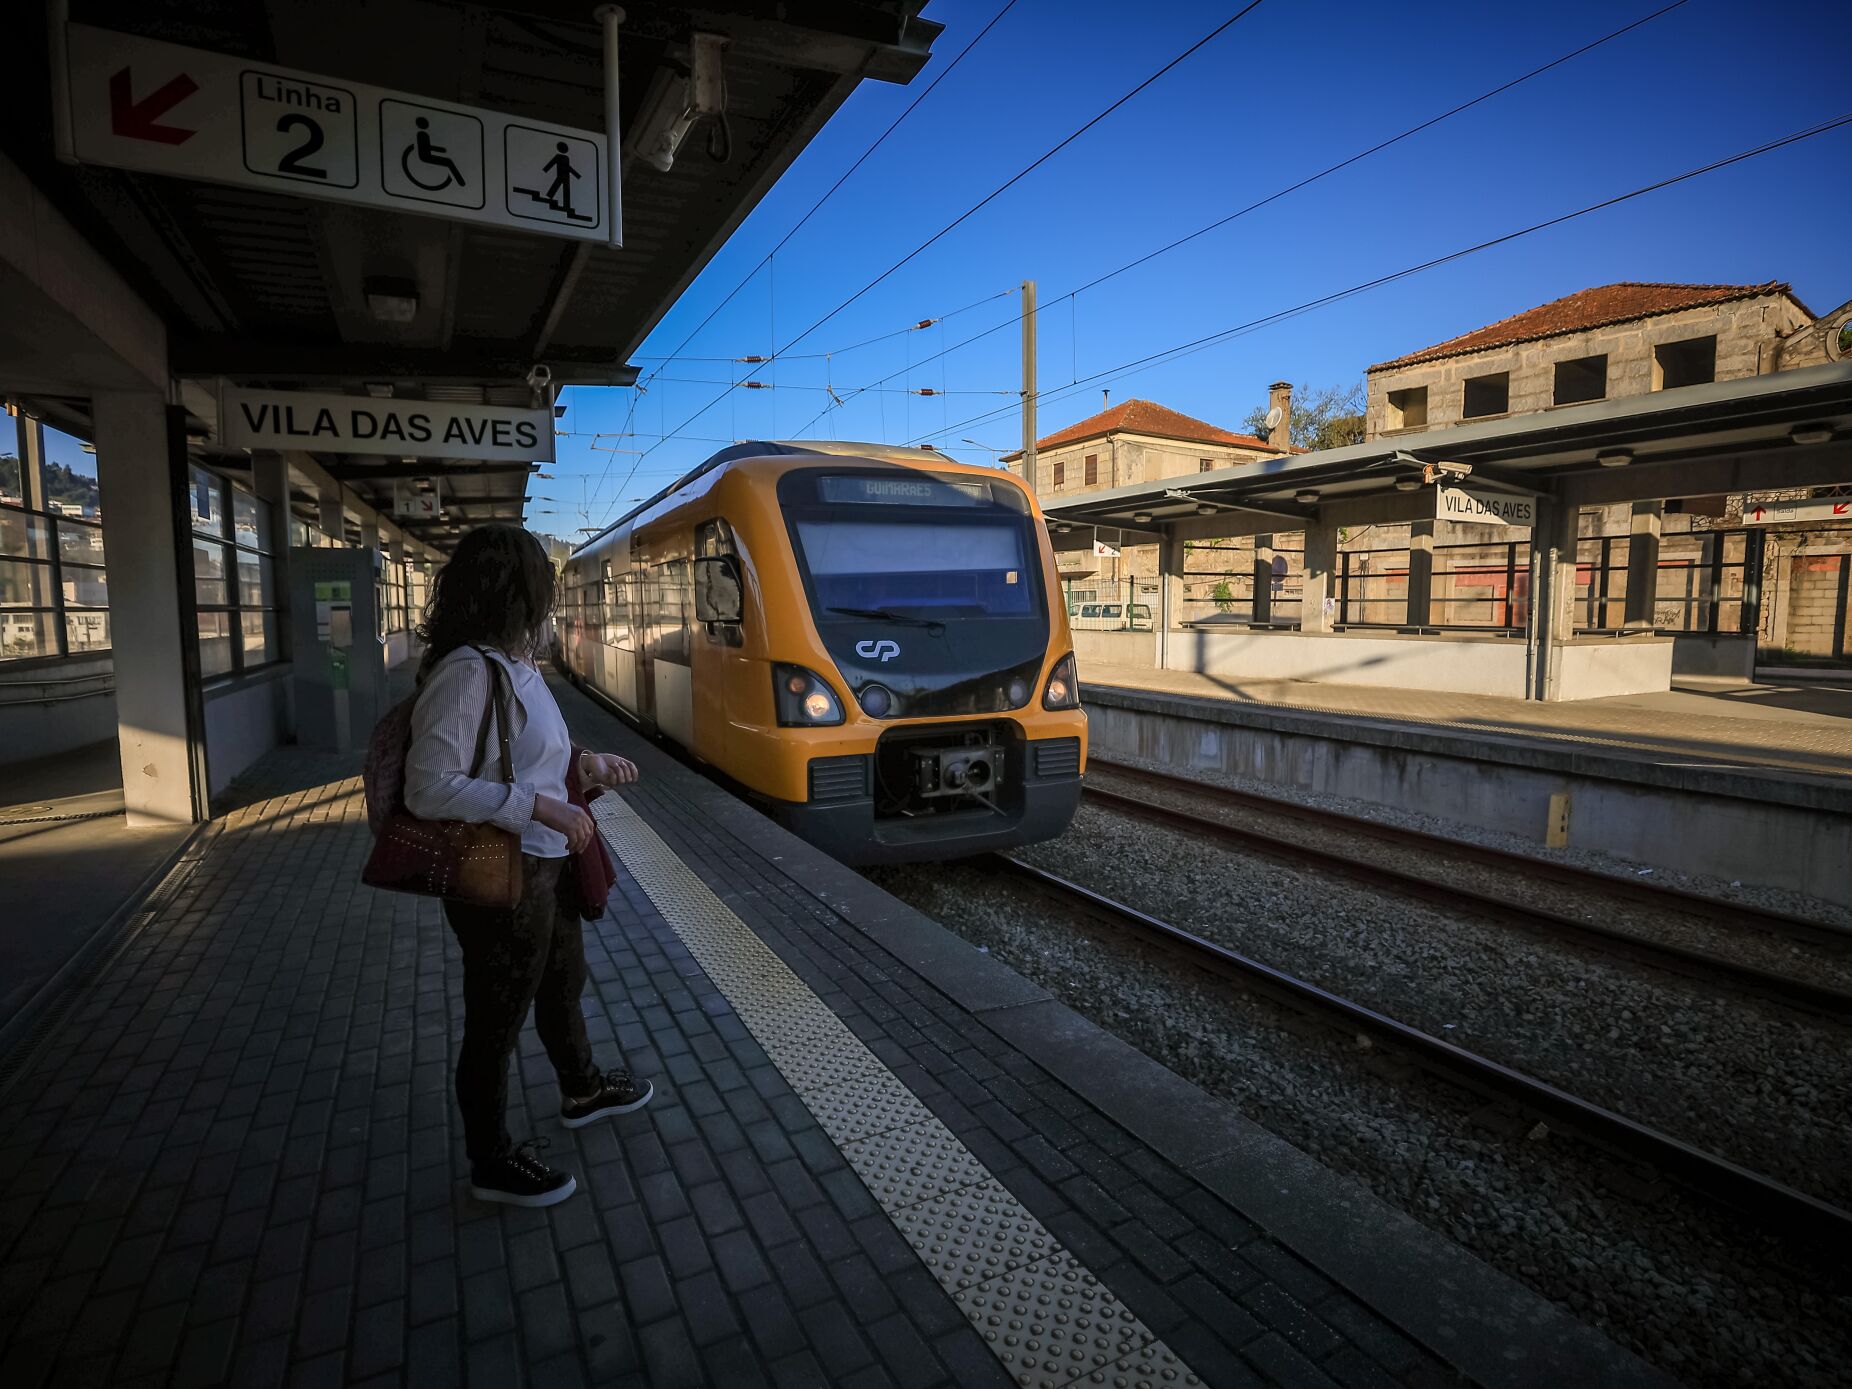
867 642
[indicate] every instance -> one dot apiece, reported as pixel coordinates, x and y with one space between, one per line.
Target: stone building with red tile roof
1135 441
1597 344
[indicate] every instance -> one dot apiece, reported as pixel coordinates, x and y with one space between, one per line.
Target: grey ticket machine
340 658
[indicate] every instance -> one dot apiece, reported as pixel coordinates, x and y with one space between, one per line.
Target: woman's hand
569 820
607 769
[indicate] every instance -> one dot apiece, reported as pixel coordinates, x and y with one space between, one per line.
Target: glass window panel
28 634
24 535
86 588
250 520
70 475
259 637
207 502
87 631
12 487
24 585
253 580
209 588
215 643
80 544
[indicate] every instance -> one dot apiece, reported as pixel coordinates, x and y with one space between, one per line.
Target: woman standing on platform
492 603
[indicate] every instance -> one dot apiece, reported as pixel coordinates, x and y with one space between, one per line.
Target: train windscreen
966 567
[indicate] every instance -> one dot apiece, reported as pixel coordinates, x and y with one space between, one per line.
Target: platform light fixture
1141 518
1306 498
1205 509
1811 434
1064 528
1615 458
392 298
1407 484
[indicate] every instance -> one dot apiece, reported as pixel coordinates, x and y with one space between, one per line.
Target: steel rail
1775 1204
1735 914
1676 959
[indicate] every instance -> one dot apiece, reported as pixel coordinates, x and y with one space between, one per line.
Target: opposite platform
877 1156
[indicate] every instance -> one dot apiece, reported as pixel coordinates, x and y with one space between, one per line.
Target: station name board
1484 508
396 428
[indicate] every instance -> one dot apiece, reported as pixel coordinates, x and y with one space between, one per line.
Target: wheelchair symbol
431 154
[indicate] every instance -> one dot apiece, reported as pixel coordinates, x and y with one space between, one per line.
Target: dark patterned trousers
533 956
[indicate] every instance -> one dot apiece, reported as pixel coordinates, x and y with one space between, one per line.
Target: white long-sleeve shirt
445 722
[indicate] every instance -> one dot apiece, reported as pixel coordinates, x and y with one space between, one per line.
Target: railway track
1697 964
1772 1203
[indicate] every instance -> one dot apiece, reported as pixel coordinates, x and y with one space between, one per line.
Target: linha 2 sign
399 428
1485 508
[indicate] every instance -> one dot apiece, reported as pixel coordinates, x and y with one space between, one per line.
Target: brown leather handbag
475 863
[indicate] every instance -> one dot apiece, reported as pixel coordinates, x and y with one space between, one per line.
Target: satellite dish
1274 416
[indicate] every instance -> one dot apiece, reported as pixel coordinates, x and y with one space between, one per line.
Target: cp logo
883 650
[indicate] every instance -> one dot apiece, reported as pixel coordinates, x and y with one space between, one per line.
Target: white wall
243 722
1600 667
1454 664
1115 648
56 708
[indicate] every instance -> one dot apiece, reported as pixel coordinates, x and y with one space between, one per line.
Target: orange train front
867 642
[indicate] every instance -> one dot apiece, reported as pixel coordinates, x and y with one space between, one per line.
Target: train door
645 626
672 677
718 635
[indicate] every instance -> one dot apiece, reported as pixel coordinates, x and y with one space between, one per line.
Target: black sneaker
618 1093
519 1178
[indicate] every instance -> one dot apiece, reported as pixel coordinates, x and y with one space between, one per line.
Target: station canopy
265 289
1788 429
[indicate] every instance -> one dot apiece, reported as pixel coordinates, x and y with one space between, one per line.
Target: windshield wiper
932 625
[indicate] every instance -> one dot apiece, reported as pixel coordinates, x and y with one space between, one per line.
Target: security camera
1455 469
539 376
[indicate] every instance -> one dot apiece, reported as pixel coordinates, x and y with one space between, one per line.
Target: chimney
1280 397
1105 397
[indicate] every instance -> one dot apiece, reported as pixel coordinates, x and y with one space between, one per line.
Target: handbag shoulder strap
496 708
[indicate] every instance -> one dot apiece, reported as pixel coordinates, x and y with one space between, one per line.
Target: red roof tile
1146 417
1590 308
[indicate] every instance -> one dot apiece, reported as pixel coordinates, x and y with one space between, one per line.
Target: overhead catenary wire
1071 297
1171 354
991 197
846 174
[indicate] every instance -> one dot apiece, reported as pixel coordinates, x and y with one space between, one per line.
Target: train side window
719 599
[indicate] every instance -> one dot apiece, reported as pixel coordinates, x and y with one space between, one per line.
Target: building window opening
1060 473
1689 363
1584 378
1487 395
1203 465
54 590
1093 469
1408 409
234 589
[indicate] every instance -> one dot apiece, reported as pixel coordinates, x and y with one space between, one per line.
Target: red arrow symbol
1758 515
136 119
1841 508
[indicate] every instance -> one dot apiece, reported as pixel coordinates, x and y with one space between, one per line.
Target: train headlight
876 701
1018 692
1063 690
802 698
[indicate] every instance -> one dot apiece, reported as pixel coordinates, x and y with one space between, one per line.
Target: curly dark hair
497 590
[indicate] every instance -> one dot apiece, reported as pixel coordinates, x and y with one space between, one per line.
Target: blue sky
1295 86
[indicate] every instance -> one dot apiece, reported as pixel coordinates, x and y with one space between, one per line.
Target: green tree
1224 597
1324 417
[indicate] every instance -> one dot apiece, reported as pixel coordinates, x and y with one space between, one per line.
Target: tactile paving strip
1047 1319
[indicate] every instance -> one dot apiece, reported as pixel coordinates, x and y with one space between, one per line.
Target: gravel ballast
1679 1281
1746 1078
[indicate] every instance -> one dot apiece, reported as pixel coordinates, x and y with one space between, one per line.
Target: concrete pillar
1420 573
270 480
1553 596
1643 564
333 514
1319 589
1263 578
1172 564
142 471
